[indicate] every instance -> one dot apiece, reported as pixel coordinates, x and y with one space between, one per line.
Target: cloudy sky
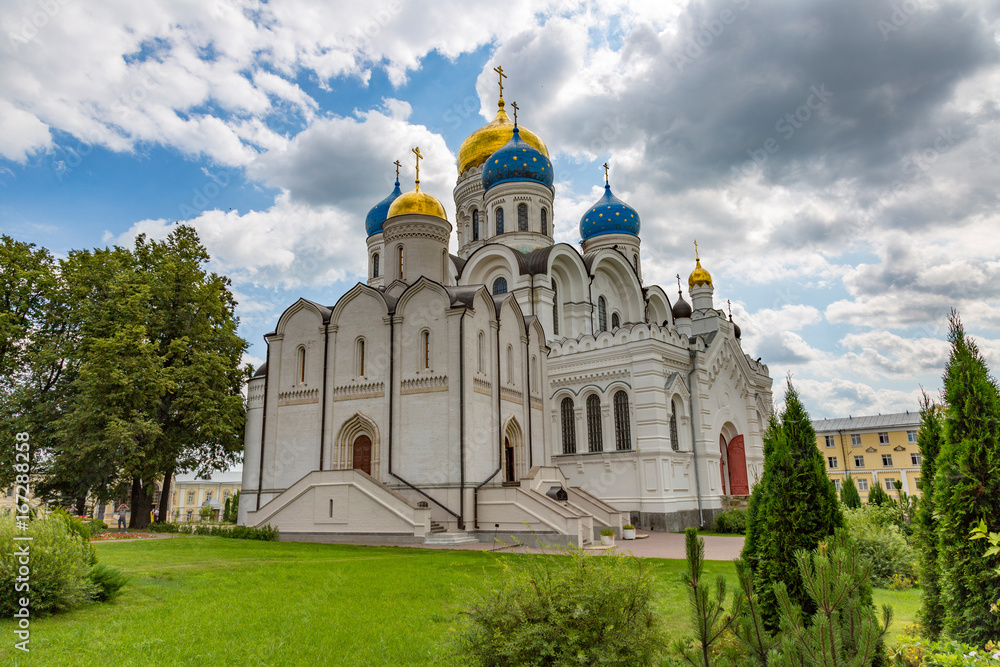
838 162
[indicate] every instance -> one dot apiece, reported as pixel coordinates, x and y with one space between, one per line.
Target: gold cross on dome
499 70
416 151
605 165
513 105
398 165
696 258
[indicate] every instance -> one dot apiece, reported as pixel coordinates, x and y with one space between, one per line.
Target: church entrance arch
362 454
357 446
513 453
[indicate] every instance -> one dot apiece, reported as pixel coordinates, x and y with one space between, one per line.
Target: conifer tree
967 491
793 507
878 496
929 442
849 493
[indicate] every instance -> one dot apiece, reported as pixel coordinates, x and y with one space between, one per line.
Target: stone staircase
436 527
443 538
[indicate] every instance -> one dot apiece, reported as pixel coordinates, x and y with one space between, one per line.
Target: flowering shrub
917 652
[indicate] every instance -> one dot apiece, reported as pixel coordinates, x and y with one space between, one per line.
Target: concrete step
450 538
437 527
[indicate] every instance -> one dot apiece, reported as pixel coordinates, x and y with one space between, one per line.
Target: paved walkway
657 545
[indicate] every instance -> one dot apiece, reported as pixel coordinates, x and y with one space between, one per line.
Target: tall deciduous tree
793 507
929 442
967 491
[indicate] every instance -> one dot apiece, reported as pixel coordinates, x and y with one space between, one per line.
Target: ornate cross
730 304
416 151
513 105
678 283
499 70
398 165
696 258
605 165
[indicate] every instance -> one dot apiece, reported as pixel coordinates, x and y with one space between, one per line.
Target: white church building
521 387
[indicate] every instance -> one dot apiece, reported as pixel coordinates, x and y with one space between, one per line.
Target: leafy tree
929 442
793 507
849 493
878 496
967 491
27 282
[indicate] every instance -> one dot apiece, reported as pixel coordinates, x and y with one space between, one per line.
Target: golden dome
699 276
490 138
416 202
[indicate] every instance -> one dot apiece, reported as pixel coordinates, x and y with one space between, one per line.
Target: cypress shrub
849 493
793 507
967 491
878 496
929 442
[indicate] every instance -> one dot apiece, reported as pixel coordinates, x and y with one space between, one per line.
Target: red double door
737 464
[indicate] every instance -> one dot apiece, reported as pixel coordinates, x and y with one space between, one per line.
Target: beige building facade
879 449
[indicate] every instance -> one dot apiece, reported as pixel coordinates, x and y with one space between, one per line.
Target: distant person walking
122 526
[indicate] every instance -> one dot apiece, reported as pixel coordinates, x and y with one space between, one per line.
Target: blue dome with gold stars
376 216
610 215
517 161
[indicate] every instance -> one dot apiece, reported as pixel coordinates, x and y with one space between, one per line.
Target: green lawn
208 600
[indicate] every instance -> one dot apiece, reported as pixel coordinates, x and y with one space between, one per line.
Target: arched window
482 350
675 443
499 216
375 265
623 434
522 217
534 373
602 314
300 361
568 426
555 310
426 352
595 442
475 224
545 221
361 357
500 286
615 321
510 365
399 251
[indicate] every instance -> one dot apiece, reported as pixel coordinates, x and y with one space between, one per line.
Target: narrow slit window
568 426
522 217
499 223
595 441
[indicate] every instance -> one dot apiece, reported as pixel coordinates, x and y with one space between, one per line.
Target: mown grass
208 600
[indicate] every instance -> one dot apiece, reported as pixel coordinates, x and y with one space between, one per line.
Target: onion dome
517 161
610 215
681 308
490 138
416 202
699 276
379 212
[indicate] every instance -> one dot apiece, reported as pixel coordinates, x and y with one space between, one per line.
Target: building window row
479 222
595 426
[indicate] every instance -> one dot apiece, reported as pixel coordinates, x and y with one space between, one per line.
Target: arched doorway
508 461
738 483
513 459
362 454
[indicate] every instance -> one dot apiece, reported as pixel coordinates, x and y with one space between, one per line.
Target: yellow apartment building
190 493
880 449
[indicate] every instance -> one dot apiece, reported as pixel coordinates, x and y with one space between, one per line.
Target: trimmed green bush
97 527
731 521
108 582
60 562
264 533
580 609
